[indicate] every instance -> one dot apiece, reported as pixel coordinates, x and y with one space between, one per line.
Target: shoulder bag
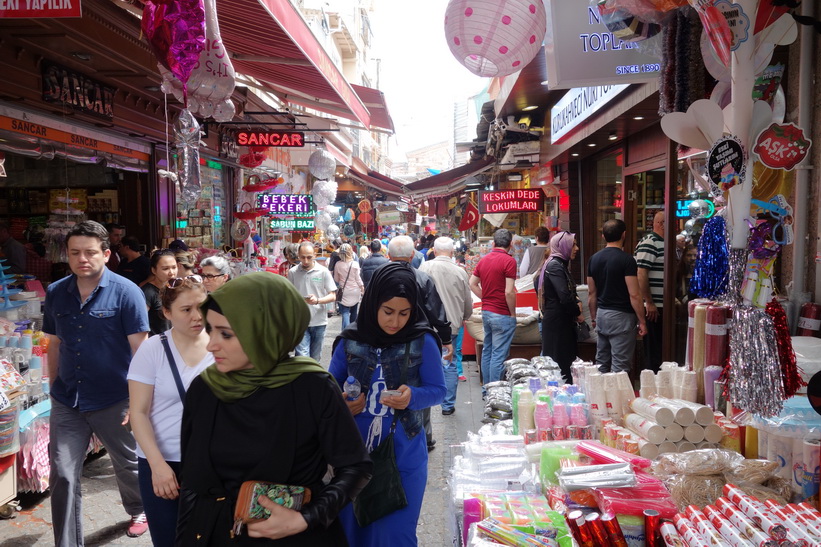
385 493
340 289
173 364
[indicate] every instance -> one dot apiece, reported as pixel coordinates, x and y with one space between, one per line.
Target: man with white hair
400 249
452 284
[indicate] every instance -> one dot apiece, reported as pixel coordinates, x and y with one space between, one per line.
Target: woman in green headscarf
257 414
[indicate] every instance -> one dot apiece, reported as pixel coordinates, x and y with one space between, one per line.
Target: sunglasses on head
180 281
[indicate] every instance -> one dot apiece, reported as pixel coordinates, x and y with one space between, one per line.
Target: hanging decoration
349 215
322 164
323 221
786 355
365 206
495 37
333 211
175 30
710 273
256 183
254 158
333 232
187 134
782 146
324 193
212 80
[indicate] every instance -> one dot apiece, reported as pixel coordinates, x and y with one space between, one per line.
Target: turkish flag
470 217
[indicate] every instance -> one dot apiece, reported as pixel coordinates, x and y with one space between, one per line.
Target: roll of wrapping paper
596 527
683 414
779 450
614 532
688 532
747 525
800 531
703 525
669 535
652 521
646 429
753 510
794 513
658 413
810 511
811 457
797 471
731 535
711 374
597 398
716 341
585 538
691 325
699 339
664 383
732 437
751 443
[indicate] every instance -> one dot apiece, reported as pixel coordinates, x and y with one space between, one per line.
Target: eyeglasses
213 276
177 282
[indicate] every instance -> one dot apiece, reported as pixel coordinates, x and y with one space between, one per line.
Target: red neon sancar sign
511 201
280 139
39 9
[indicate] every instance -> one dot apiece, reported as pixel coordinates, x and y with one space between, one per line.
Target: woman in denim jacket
391 323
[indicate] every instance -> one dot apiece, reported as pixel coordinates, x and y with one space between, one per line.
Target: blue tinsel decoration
712 265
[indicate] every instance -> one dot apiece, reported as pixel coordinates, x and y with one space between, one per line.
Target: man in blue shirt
95 320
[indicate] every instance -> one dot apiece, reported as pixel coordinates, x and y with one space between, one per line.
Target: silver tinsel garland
755 372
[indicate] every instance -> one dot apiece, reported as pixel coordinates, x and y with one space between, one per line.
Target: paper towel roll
811 458
694 433
797 471
674 432
659 414
646 429
779 450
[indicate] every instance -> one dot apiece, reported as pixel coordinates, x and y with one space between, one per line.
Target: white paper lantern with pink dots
495 37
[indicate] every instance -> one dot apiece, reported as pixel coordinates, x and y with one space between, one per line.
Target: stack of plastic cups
648 384
544 421
560 421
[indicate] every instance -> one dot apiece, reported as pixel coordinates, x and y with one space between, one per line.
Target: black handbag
341 288
582 331
384 494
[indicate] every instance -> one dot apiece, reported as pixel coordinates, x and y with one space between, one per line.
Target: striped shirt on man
650 256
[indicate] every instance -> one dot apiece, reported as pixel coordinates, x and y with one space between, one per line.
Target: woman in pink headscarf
560 305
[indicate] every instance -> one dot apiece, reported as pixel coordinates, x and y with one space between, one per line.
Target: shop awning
375 102
271 42
448 182
379 182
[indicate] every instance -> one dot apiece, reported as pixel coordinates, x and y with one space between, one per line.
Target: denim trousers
451 383
457 351
311 344
69 434
348 313
499 331
161 513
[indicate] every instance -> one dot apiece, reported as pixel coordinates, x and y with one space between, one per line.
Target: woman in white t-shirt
349 281
157 400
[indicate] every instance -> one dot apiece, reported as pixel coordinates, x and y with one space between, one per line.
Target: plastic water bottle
352 388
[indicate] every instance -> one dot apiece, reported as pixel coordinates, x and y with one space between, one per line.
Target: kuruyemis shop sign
295 224
511 201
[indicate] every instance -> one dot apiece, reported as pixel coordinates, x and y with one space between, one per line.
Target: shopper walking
163 269
561 308
349 282
95 321
391 346
216 271
258 415
493 282
373 262
534 256
316 284
451 283
650 262
135 265
160 372
614 299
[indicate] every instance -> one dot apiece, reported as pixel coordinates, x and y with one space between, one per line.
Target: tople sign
511 201
39 9
300 205
280 139
295 224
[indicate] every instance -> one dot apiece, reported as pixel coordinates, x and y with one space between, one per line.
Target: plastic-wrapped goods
649 493
706 529
646 429
612 475
647 387
698 490
670 535
662 415
598 398
697 462
751 472
737 537
507 535
689 532
800 530
604 454
756 511
795 514
702 414
526 405
811 457
742 522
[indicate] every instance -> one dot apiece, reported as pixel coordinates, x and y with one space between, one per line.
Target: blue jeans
349 314
311 344
457 351
451 383
499 331
161 513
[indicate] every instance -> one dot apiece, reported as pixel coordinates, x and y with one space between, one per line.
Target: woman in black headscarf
391 330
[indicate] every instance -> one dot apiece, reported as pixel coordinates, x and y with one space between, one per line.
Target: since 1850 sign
511 201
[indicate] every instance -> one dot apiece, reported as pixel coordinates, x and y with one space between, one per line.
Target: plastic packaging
649 493
526 405
697 462
544 421
604 454
613 475
352 388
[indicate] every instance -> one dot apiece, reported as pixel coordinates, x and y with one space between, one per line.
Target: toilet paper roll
659 414
646 429
811 458
779 450
674 432
683 414
694 433
713 434
797 471
667 447
684 446
664 383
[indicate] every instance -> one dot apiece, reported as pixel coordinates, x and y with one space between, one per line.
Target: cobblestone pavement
105 522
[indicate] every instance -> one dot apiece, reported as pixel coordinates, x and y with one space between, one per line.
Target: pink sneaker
463 378
138 526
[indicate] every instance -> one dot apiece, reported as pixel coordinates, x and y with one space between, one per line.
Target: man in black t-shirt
134 266
615 300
